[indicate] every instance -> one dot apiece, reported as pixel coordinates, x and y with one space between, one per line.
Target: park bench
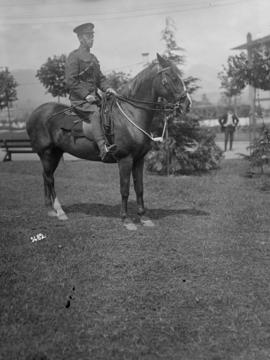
15 146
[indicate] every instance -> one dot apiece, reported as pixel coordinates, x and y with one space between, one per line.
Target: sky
33 30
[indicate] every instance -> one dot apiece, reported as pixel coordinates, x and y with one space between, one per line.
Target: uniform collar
84 49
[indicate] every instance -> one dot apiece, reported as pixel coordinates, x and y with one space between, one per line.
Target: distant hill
30 91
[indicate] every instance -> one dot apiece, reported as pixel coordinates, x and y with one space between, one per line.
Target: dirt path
239 147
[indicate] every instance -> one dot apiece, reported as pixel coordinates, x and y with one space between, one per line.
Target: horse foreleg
137 173
125 166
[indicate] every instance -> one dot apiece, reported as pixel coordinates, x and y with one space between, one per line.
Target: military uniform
83 78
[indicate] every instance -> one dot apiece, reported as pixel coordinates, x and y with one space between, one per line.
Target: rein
68 109
156 106
150 136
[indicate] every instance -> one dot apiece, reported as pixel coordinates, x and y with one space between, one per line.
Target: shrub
260 149
188 149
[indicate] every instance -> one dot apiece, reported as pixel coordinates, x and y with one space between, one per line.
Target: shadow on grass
113 211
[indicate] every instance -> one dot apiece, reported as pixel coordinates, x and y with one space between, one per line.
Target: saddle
74 125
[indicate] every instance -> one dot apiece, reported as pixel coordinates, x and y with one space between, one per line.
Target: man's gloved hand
110 91
90 98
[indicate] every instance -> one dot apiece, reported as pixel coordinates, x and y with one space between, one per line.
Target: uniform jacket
223 120
83 75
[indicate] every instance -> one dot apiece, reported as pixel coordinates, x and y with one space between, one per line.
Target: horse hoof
129 225
52 213
147 222
62 217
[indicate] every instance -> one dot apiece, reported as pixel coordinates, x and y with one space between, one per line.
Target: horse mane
133 85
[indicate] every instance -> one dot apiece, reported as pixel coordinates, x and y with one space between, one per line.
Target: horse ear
162 62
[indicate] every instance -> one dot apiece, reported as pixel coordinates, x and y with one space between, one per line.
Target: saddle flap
78 125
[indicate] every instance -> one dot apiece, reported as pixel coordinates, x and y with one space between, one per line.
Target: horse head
170 86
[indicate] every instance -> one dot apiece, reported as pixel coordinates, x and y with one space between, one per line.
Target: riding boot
105 150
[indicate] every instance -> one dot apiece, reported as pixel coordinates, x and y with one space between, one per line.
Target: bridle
171 88
158 106
170 109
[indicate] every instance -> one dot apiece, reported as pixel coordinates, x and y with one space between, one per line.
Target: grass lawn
196 286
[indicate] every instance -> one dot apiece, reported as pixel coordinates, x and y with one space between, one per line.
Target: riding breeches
92 127
94 117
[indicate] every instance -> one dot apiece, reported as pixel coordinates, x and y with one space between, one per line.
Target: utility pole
249 46
252 93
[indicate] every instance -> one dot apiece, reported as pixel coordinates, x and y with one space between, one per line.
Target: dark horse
131 115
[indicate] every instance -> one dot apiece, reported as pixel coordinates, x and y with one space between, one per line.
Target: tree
52 76
8 85
172 48
8 92
117 79
239 73
259 73
187 147
172 53
234 76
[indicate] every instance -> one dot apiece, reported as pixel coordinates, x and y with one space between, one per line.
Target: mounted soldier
131 116
85 82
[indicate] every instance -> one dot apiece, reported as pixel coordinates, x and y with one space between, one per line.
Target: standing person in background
228 123
85 80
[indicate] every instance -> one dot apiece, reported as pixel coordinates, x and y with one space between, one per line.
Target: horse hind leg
50 159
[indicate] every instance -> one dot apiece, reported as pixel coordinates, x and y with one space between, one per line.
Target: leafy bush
188 149
52 76
260 149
